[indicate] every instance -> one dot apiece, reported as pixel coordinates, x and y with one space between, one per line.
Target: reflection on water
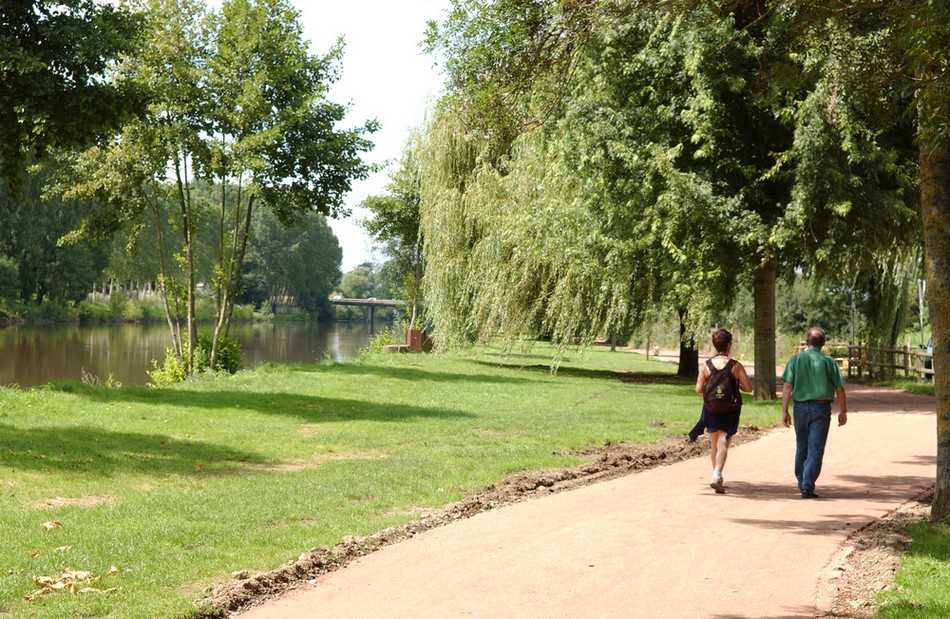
35 355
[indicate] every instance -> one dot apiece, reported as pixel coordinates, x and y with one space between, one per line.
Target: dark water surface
35 355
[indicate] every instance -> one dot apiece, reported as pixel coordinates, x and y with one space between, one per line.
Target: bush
56 311
243 312
117 302
386 338
152 310
94 312
133 312
229 358
172 370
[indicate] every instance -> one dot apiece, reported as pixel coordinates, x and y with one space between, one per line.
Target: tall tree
53 87
237 98
275 134
679 140
926 31
394 222
32 226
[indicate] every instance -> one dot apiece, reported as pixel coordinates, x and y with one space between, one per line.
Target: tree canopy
235 98
56 89
696 148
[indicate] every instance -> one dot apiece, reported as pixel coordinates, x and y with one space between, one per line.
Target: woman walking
720 380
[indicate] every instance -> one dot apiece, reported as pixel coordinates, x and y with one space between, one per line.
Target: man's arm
786 398
843 403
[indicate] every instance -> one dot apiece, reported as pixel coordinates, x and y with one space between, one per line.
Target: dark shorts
728 423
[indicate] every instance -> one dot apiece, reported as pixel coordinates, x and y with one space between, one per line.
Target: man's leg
817 438
800 419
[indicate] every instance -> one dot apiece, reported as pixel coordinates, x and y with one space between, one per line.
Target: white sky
384 76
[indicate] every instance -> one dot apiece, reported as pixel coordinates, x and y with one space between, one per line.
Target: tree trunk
764 297
935 210
184 204
689 354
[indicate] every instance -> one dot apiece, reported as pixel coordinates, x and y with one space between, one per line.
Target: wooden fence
860 360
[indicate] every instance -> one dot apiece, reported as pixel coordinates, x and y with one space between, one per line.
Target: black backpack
721 392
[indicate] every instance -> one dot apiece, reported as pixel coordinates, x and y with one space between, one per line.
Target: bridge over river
371 303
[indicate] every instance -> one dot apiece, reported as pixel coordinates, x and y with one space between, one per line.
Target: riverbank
125 353
119 308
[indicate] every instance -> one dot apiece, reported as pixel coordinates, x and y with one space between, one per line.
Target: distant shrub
386 337
133 312
117 302
93 312
243 312
56 311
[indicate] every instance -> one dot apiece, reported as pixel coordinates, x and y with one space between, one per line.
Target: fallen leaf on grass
34 554
64 549
113 571
53 524
67 582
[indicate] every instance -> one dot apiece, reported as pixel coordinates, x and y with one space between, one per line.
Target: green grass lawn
924 577
178 487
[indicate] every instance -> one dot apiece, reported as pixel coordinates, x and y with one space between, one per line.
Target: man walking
812 379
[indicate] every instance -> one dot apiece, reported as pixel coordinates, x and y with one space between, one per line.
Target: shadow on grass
931 541
104 453
311 409
414 374
627 377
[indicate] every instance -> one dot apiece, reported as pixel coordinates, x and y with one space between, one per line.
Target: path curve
654 544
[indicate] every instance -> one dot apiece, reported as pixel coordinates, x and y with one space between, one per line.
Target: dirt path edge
604 463
864 565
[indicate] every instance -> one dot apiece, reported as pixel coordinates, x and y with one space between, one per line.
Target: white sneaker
717 485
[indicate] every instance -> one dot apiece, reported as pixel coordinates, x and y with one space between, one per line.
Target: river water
34 355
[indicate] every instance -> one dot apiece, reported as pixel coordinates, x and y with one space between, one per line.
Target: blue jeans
812 422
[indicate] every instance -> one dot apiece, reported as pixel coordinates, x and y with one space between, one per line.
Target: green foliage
54 311
386 337
33 225
394 222
118 301
235 98
53 91
698 146
507 60
9 279
228 358
296 265
173 369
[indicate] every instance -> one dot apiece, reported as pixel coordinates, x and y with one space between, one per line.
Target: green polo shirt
813 375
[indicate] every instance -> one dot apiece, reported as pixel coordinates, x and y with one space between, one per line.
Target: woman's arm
701 379
744 383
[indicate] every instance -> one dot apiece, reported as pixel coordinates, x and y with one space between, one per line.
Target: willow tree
678 133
